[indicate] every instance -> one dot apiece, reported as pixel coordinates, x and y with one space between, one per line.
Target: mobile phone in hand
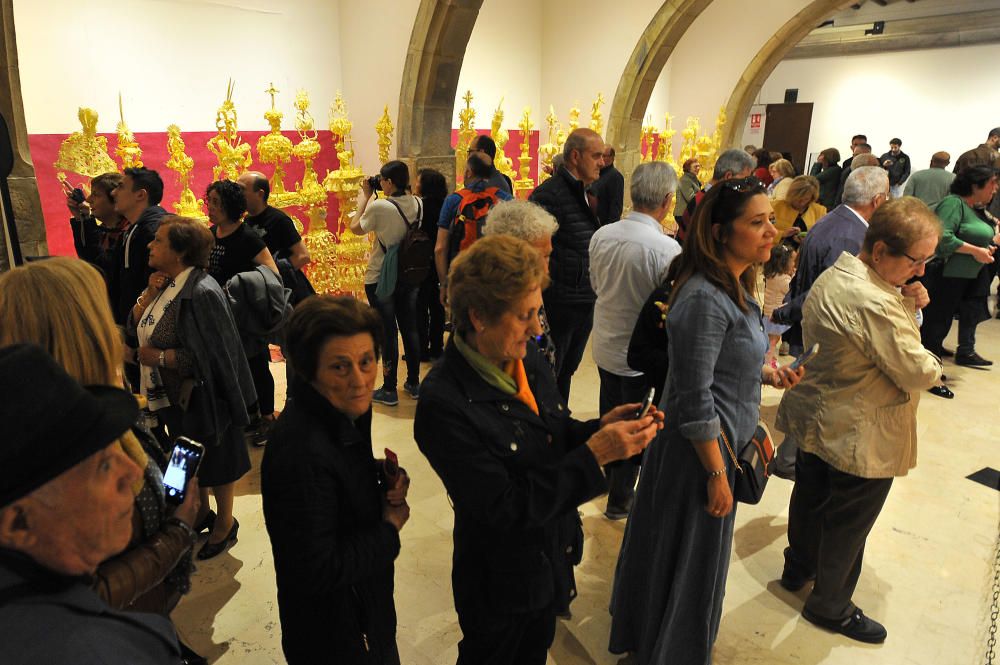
390 468
646 404
805 357
184 462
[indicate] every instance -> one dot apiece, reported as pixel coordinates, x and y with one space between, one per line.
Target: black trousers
398 315
571 325
615 391
430 317
951 295
263 382
830 516
507 639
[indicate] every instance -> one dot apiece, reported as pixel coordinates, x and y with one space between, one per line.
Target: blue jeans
399 310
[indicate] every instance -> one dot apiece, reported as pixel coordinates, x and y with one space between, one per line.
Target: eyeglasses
919 262
742 185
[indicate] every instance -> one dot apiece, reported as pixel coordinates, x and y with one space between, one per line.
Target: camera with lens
374 183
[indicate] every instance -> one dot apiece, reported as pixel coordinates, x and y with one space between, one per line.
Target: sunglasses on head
742 185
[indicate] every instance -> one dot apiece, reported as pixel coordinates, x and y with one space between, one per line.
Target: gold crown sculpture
188 205
276 148
128 149
233 154
84 152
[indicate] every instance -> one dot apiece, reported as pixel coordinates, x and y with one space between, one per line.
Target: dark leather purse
753 464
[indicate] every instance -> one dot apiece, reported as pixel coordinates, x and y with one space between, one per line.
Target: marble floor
927 573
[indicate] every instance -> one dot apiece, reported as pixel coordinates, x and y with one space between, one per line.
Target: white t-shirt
382 217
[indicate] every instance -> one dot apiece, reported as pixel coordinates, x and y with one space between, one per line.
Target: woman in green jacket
958 280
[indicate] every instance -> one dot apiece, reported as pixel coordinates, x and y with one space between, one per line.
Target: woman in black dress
238 248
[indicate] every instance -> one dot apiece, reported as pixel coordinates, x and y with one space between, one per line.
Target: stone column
22 182
440 35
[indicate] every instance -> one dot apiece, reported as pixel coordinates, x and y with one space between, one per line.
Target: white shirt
628 259
382 217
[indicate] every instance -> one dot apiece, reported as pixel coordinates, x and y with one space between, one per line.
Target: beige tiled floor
926 572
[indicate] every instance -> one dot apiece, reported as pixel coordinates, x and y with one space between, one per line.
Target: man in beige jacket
855 412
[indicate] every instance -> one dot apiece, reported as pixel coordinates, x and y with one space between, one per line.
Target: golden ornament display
188 205
550 148
276 148
596 117
233 154
383 128
128 150
524 184
351 253
466 132
502 163
84 152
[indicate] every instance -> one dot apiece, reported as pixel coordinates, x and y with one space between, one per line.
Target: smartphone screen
805 357
646 404
184 462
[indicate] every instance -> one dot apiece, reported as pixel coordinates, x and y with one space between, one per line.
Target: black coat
333 553
515 480
563 196
132 261
610 192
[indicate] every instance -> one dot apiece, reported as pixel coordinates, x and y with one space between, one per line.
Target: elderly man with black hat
65 506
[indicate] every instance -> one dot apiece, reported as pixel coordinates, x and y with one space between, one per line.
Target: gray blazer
222 389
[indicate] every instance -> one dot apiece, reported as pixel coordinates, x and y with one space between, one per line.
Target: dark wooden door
787 130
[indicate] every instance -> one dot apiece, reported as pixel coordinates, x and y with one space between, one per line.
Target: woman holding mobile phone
331 512
667 600
854 415
494 427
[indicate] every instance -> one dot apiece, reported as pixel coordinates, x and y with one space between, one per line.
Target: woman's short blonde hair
783 167
803 192
61 304
492 275
900 224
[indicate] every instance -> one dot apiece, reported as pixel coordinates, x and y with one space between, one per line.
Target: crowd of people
163 329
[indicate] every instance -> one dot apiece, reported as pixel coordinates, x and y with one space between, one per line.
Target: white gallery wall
172 59
941 99
712 55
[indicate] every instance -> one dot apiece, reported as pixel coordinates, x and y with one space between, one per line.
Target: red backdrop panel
45 148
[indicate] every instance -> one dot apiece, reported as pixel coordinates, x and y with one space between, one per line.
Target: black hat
51 423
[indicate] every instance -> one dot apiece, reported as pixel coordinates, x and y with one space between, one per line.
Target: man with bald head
932 184
569 300
273 226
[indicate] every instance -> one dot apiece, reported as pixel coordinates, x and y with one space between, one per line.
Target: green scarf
489 372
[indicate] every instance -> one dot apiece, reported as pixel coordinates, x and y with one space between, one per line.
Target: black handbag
753 464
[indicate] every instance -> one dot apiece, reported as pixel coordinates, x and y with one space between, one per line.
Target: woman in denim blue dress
671 576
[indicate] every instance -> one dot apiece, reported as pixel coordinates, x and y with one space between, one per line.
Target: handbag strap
725 440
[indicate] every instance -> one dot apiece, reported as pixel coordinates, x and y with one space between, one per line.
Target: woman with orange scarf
493 426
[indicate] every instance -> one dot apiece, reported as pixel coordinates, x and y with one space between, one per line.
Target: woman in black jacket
516 466
332 511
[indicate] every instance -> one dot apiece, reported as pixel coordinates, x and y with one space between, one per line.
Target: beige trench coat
856 407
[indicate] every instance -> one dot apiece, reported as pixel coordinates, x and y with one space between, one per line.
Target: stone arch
644 66
440 35
773 52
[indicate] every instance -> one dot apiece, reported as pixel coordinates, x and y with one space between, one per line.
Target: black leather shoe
792 577
857 626
207 522
209 550
941 391
972 360
945 353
